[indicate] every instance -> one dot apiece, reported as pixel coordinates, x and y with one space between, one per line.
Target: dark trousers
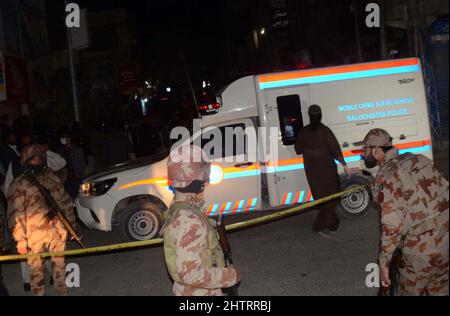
72 186
327 218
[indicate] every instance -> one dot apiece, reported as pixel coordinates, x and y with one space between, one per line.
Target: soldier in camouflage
32 228
413 197
192 251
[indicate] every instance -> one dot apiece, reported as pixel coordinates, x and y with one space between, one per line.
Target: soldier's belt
140 244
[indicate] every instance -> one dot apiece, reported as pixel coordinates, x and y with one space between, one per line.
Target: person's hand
385 279
22 251
348 172
238 273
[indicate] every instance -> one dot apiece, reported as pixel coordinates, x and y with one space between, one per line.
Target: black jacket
7 155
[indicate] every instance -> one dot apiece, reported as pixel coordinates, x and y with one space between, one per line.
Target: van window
291 119
239 141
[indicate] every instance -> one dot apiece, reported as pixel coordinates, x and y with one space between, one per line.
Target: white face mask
64 141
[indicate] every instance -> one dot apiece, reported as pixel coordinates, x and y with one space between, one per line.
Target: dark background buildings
138 49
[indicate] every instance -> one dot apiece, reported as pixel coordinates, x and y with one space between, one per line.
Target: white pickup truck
354 99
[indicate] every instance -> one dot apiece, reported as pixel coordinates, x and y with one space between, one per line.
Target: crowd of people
68 155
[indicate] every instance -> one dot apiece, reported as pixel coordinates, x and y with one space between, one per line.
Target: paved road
280 258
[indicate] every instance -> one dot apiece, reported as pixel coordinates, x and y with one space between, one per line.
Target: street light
263 31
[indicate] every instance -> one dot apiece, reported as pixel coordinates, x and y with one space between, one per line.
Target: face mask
63 141
196 187
37 168
196 200
315 121
370 161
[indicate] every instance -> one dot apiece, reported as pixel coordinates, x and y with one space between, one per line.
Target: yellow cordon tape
139 244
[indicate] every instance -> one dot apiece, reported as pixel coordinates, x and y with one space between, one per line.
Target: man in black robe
320 149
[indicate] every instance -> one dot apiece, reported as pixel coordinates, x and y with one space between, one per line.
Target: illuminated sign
376 105
376 115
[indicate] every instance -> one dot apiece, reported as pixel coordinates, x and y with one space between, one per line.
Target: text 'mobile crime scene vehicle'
354 99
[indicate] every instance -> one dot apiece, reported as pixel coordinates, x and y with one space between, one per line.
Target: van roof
337 73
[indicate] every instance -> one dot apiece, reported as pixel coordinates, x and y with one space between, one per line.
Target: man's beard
370 162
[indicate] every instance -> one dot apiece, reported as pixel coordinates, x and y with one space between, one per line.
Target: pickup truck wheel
140 221
358 203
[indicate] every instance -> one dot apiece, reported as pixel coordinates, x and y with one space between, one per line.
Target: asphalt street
279 258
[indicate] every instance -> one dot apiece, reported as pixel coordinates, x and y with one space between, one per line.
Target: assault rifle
53 207
231 291
394 271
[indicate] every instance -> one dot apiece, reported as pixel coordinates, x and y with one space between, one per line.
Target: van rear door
286 178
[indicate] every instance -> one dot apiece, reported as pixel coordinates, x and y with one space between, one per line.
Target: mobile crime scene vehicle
354 99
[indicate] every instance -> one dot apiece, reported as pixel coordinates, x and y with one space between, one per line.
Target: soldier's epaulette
399 160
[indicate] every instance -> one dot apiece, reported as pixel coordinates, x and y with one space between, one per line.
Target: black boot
27 287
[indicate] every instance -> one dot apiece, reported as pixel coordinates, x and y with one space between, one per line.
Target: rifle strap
43 191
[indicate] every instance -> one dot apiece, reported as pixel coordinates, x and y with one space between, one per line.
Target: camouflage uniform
192 251
33 229
413 197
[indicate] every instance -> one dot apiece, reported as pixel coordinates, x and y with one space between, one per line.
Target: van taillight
210 107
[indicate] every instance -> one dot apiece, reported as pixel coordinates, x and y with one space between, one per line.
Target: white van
354 99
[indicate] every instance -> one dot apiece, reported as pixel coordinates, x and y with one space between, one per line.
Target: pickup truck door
286 178
236 185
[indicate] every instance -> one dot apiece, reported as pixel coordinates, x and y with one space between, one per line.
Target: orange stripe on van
236 206
161 181
414 144
338 70
234 169
210 209
297 197
286 162
224 206
309 196
284 199
399 146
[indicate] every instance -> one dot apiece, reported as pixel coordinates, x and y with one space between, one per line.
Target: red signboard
17 84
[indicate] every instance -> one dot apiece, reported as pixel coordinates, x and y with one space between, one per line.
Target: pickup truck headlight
97 188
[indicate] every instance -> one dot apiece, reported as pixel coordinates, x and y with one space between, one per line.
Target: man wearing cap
413 197
32 227
320 149
193 254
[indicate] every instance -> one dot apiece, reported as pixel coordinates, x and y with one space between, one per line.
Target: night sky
210 39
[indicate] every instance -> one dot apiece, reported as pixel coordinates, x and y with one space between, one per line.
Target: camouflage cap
30 152
187 164
378 138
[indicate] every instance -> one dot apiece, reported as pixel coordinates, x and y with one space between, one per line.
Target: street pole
383 39
359 54
73 77
188 76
